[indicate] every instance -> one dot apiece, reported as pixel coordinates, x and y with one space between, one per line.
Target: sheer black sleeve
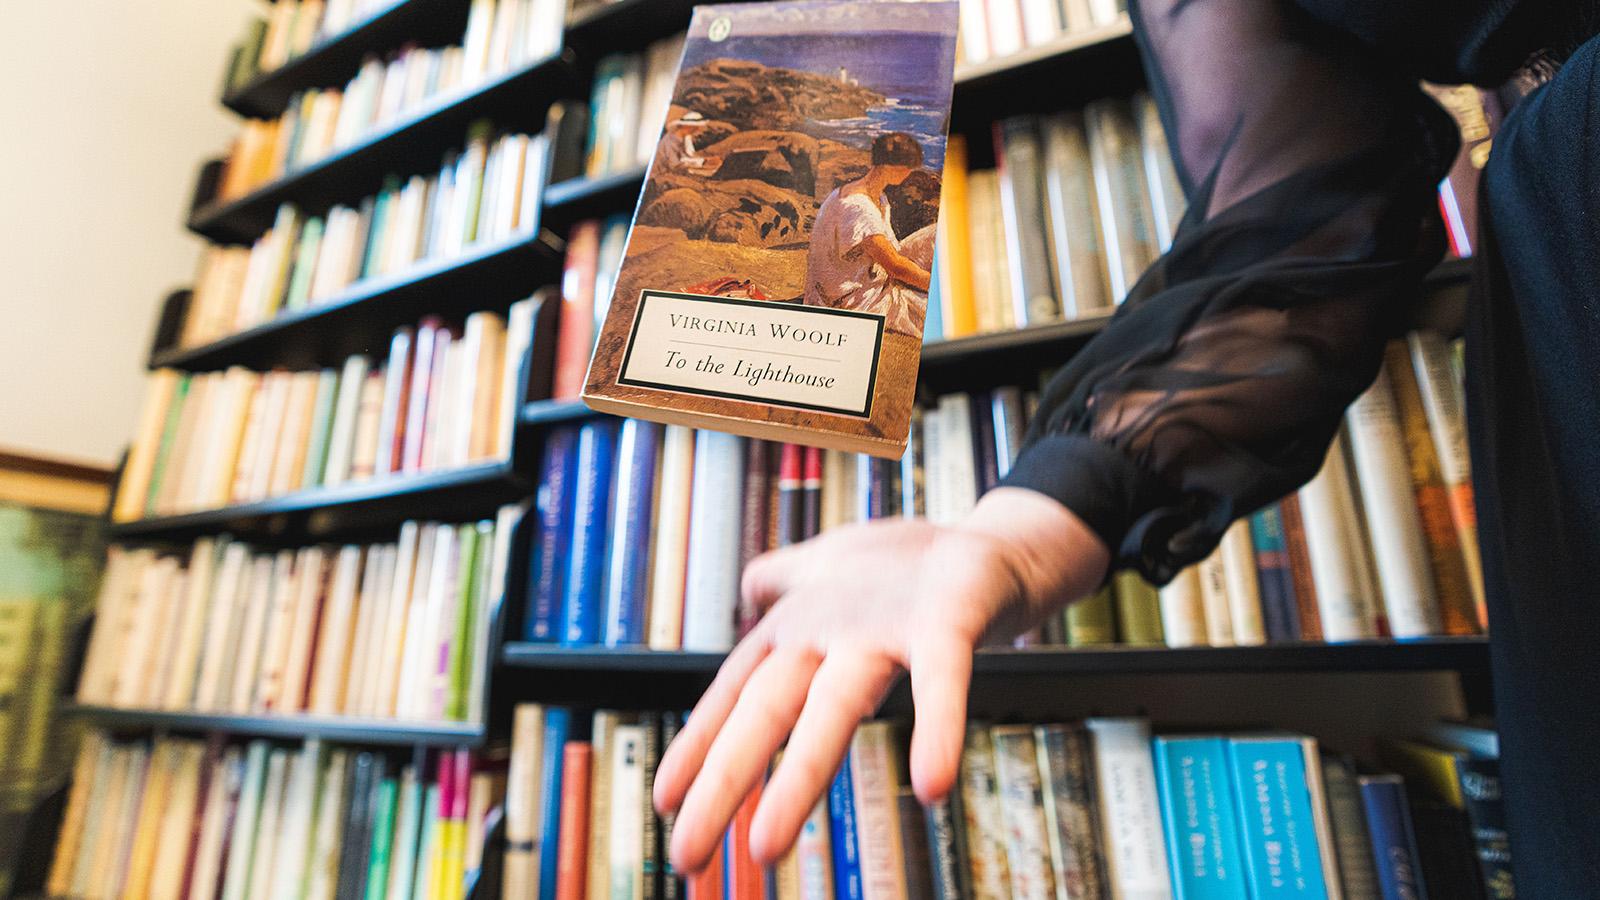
1310 169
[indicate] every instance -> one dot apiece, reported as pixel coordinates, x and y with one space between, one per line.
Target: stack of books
996 29
1080 810
396 630
292 29
628 106
487 194
444 398
500 36
1078 205
643 529
176 818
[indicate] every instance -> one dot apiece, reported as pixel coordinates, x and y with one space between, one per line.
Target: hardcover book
775 284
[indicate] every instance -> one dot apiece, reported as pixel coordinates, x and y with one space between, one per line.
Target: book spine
1486 812
1125 787
557 725
1016 763
1244 591
1272 574
547 580
1281 853
944 856
650 824
756 517
1327 504
1394 846
847 883
1183 611
1198 813
1430 357
1352 845
1091 621
572 866
625 857
712 576
671 550
1017 158
1138 609
1070 812
988 873
1300 577
877 819
628 574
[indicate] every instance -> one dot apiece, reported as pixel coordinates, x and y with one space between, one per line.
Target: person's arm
895 263
1311 173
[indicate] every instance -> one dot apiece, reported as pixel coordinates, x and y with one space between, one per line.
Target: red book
572 854
811 494
1305 588
575 332
463 785
790 464
409 433
707 885
753 535
745 878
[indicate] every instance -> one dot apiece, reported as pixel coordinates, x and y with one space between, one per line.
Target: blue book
547 571
1195 781
933 326
557 725
1280 616
1394 845
591 513
1276 820
846 853
628 565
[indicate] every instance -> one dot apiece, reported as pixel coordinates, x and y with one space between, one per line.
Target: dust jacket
775 281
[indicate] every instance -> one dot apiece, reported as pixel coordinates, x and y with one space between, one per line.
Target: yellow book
147 827
333 638
223 451
85 771
290 463
483 424
135 485
177 821
955 230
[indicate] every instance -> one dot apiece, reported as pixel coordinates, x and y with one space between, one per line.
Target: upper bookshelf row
1072 68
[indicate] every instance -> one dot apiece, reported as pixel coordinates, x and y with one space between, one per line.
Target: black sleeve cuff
1133 511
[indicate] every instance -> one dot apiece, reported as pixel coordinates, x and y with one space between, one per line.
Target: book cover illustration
775 283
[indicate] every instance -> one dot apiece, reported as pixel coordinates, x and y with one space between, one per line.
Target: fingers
771 575
767 709
941 671
847 688
688 750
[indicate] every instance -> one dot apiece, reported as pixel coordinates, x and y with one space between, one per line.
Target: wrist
1053 556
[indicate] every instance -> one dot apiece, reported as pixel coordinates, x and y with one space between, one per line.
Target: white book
1104 12
935 486
974 31
341 436
1183 610
1322 820
252 634
296 831
144 619
1016 766
242 841
99 662
191 630
226 778
475 42
1338 552
431 607
668 566
311 571
177 822
1125 790
1214 596
231 582
1005 407
1389 503
519 335
369 607
544 28
412 574
389 644
523 806
333 638
627 813
1041 20
711 582
535 168
268 866
272 435
269 681
1244 588
491 599
957 467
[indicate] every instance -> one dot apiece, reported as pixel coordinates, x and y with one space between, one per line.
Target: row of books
445 397
501 35
992 29
628 105
179 818
289 31
488 193
1074 810
1078 205
643 529
395 630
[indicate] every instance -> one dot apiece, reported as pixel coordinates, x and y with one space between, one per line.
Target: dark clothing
1311 158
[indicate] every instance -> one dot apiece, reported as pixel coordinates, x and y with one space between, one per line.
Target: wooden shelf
352 510
414 143
490 276
334 61
1433 654
340 729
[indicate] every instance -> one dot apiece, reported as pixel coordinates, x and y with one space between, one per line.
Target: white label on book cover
806 357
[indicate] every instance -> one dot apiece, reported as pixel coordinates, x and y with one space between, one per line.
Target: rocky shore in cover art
776 278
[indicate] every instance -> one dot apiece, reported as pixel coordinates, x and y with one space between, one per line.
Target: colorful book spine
557 725
1394 845
1281 852
628 569
583 598
1279 612
548 569
847 884
1197 810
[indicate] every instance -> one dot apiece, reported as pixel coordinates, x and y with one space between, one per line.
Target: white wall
107 109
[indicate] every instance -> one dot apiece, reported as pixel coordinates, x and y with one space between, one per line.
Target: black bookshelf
549 413
337 58
347 510
415 143
489 276
344 729
574 199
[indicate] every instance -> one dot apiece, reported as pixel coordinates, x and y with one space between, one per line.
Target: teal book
1194 777
382 840
1277 822
305 263
371 255
321 426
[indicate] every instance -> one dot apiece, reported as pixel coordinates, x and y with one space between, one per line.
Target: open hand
845 614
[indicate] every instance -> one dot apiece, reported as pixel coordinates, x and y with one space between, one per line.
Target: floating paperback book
775 282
